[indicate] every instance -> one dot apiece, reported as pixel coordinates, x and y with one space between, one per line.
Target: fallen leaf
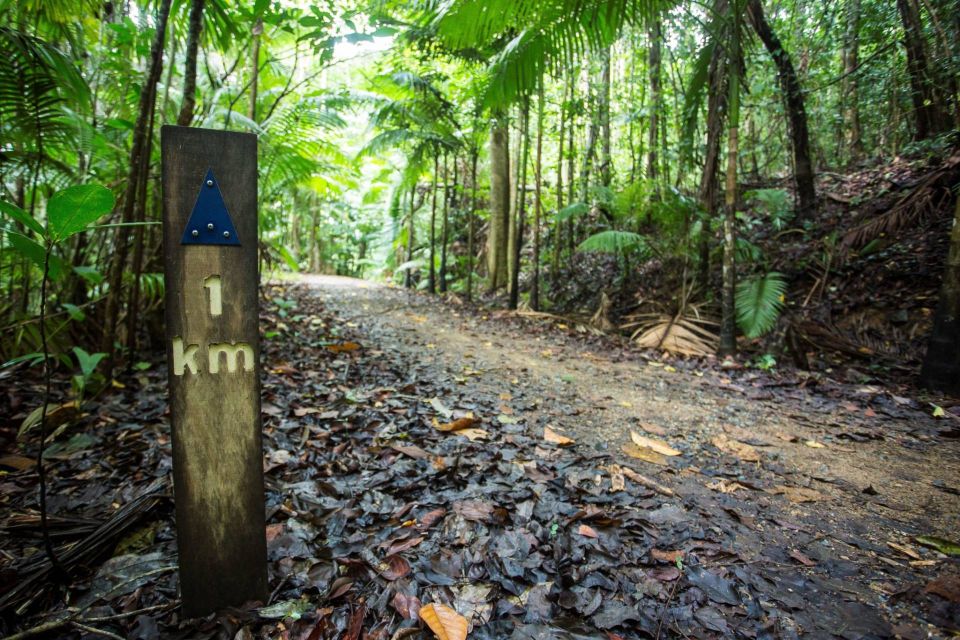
813 444
942 545
643 453
440 408
445 623
905 550
407 606
725 487
669 557
588 531
394 567
553 437
741 450
16 462
343 347
652 443
652 428
473 434
456 425
802 558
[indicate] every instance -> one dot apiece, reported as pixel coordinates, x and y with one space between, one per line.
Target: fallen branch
647 482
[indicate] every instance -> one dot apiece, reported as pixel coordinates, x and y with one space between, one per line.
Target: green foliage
759 301
574 210
88 364
775 203
75 208
617 242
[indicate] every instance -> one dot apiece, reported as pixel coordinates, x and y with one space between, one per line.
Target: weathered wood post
210 261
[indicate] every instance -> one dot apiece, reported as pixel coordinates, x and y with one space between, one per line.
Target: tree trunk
535 284
796 111
941 367
447 195
850 88
606 161
656 40
314 244
716 107
471 220
254 70
190 64
499 203
140 131
927 107
408 275
432 274
590 149
521 204
558 225
728 328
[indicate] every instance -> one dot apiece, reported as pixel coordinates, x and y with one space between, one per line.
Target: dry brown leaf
654 429
473 434
17 462
741 450
343 347
905 550
643 453
588 531
813 444
652 443
458 424
644 481
797 494
445 623
555 438
661 555
725 487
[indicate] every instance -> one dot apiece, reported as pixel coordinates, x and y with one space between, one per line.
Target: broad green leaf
71 210
21 216
35 253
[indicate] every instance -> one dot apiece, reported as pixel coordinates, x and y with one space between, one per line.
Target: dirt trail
911 470
839 478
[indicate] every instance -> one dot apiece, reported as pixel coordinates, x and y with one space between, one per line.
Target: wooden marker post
213 347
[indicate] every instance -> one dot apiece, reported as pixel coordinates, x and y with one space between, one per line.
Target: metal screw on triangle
226 234
209 183
195 233
210 226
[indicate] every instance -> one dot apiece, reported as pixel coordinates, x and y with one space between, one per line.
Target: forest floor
544 482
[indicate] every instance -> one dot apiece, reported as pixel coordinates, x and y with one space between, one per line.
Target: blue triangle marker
210 221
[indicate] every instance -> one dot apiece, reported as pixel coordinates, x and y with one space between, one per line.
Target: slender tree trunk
850 88
499 203
716 107
796 112
521 203
408 275
535 285
140 133
314 233
558 225
432 274
941 367
190 64
254 70
654 64
927 106
471 221
448 192
140 216
606 161
590 150
728 336
571 163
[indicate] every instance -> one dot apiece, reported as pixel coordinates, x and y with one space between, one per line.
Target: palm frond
612 241
759 301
